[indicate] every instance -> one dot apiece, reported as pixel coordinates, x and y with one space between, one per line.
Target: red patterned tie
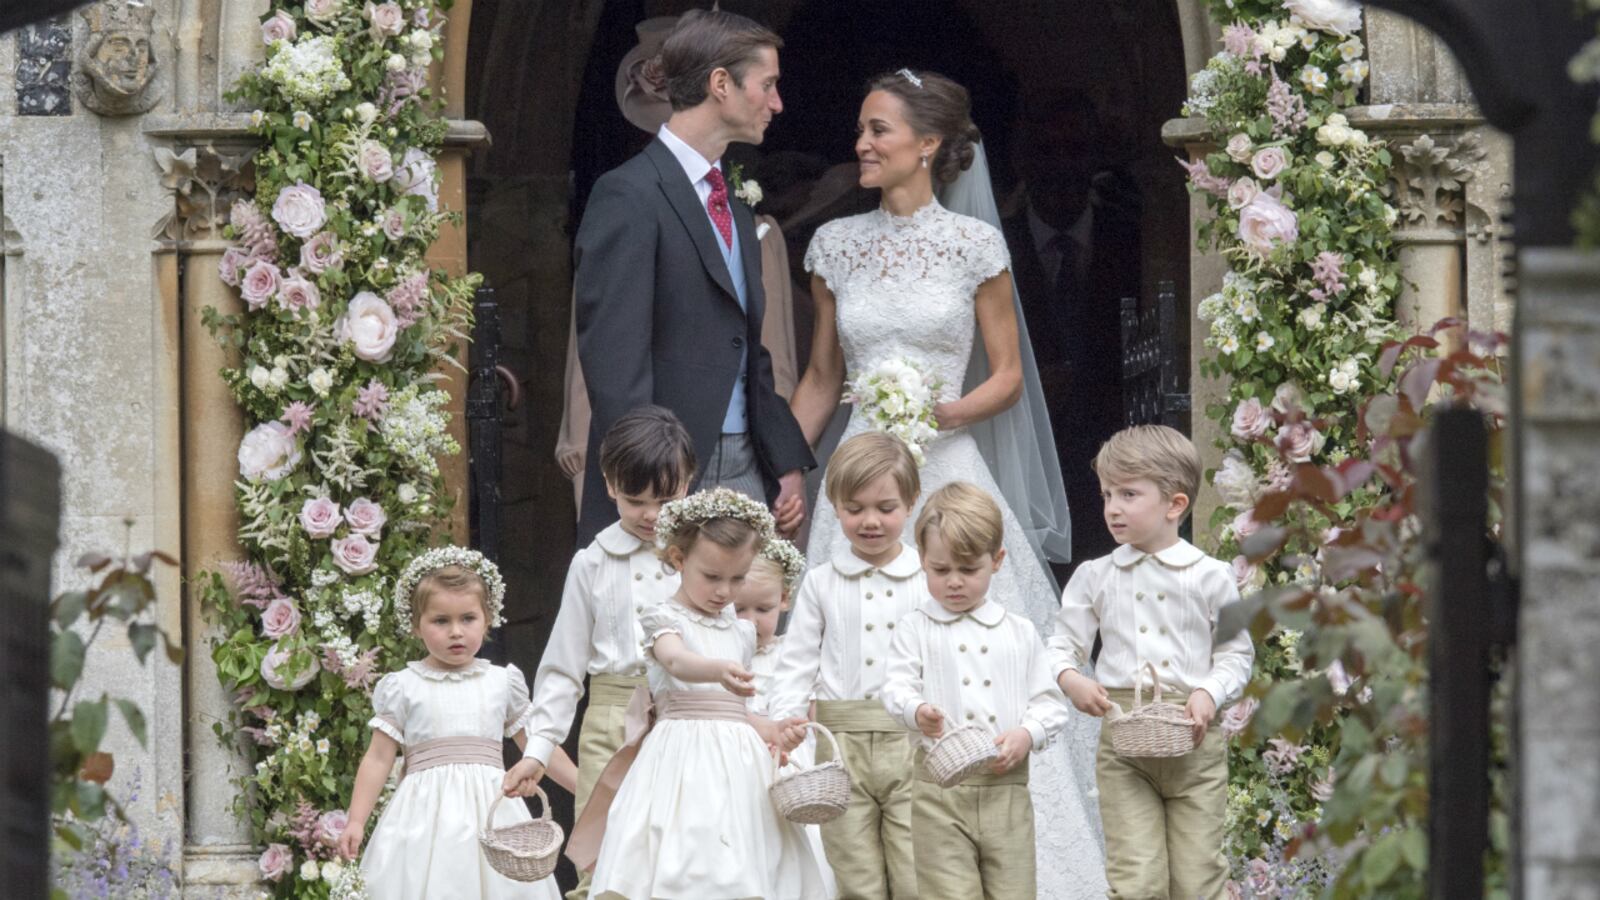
717 205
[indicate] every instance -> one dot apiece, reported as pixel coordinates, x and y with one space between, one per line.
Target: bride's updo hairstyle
937 106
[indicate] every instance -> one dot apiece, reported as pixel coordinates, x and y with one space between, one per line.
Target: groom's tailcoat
659 321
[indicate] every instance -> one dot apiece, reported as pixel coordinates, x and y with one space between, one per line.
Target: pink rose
268 451
321 253
277 657
1245 524
1261 881
300 210
260 283
414 177
375 162
366 518
355 554
1241 192
1250 420
370 325
394 225
1269 162
1300 441
1266 223
323 10
1339 17
233 259
275 862
280 618
1239 147
330 825
387 19
297 293
278 28
1287 398
1238 716
1244 573
319 517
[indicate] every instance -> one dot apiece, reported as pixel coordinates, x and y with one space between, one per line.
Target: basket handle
1155 681
838 748
544 805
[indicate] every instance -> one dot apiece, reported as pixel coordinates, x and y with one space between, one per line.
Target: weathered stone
44 64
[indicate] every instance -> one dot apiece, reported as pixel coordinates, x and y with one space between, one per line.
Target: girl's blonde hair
447 578
765 572
967 519
1157 453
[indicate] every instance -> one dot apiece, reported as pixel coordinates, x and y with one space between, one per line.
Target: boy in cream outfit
1155 602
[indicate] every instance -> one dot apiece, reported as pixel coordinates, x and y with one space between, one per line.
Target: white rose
259 376
395 63
1277 54
1340 381
414 176
1266 223
370 325
332 870
278 379
422 40
320 381
1358 138
1241 192
1325 159
323 10
366 112
1235 481
1340 17
268 451
308 870
407 494
375 162
1311 316
1239 148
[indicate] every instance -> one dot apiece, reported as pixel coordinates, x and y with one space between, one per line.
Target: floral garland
716 503
788 557
344 330
438 558
1297 333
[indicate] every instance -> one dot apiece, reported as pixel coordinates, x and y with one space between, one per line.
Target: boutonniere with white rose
746 189
897 398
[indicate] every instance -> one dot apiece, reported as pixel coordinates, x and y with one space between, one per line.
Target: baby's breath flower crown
788 556
717 503
438 558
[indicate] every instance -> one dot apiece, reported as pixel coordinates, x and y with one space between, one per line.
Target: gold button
889 592
869 696
966 681
1163 631
891 626
869 626
969 717
1166 663
869 595
869 660
639 608
1139 596
870 573
986 682
1161 596
638 576
1143 629
984 649
962 648
658 576
991 718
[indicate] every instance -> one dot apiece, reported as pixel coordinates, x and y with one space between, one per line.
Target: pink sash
583 847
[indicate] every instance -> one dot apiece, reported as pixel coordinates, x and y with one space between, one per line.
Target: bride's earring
924 162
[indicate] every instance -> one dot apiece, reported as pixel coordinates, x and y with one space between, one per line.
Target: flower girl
691 817
449 711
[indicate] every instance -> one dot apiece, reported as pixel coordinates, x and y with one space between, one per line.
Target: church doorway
1070 98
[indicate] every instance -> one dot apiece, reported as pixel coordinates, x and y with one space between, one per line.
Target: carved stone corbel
204 183
1430 178
118 62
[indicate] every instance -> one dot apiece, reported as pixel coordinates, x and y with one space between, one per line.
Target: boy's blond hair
867 457
966 518
1154 452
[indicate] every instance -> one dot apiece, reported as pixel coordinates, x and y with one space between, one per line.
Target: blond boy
836 651
1155 601
961 659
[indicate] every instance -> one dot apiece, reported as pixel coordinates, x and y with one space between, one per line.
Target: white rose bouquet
897 398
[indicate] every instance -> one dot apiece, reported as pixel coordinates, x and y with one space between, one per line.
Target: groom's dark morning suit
659 321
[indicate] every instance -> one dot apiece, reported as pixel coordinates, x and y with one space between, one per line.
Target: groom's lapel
686 203
744 222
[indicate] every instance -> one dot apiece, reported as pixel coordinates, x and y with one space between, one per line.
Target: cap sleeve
519 708
658 620
821 260
984 250
388 707
747 641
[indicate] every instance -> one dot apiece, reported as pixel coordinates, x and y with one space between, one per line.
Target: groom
668 286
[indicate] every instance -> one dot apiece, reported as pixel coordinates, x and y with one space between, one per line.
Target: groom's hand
790 507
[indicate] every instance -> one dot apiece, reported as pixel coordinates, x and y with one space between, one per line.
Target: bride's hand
944 416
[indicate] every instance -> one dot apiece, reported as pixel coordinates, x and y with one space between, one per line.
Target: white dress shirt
1157 608
609 583
986 667
845 614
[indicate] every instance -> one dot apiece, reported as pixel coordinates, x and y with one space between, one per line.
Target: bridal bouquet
897 398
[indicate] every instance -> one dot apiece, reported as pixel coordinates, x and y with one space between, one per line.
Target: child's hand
736 680
349 843
1014 745
1200 708
791 734
1088 695
930 721
522 778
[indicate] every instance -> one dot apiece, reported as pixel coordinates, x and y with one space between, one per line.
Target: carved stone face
123 63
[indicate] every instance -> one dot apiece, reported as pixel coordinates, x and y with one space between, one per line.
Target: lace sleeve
983 249
388 707
820 257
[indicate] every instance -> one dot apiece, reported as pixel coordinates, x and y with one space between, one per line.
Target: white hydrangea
308 70
415 429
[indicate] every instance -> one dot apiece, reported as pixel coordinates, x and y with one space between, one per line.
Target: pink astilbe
1282 757
409 299
371 401
1239 39
252 584
400 88
1285 107
297 416
253 230
303 829
359 675
1328 270
1279 476
1200 175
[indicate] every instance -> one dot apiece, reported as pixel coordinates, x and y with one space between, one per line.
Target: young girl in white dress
691 818
449 711
762 600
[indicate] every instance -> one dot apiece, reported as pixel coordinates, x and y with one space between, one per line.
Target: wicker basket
1153 729
818 794
526 851
961 754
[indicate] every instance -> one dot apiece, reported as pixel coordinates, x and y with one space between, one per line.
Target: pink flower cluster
400 88
409 299
358 676
1287 110
371 401
1328 271
316 831
1200 175
252 584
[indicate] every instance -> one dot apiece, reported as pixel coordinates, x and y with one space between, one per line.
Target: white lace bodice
905 286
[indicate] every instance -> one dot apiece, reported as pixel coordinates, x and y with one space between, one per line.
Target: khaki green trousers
869 847
1164 819
975 839
599 739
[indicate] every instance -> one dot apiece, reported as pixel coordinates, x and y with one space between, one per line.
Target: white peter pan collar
725 619
1179 556
988 614
471 670
615 540
904 566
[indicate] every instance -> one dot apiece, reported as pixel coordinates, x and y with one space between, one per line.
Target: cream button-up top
1157 608
837 643
596 632
986 667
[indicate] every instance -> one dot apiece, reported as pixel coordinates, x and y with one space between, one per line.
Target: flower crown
717 503
788 557
439 557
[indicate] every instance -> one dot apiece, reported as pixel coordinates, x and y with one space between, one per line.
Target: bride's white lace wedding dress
905 287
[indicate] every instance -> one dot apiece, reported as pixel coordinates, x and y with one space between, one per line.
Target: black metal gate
1155 380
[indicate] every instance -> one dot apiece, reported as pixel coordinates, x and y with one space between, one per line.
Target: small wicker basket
815 795
526 851
960 754
1151 730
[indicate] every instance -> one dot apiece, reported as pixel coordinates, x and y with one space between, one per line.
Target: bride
919 280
